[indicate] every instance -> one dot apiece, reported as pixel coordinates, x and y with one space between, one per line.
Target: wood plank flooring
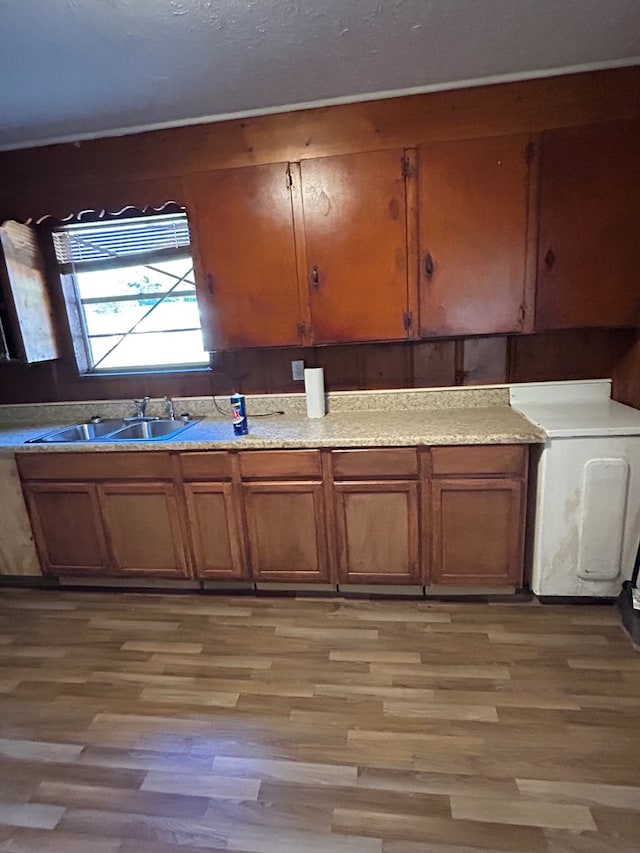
165 723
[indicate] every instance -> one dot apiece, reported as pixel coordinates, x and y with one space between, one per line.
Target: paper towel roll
314 391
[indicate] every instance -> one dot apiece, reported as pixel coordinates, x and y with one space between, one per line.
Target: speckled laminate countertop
494 424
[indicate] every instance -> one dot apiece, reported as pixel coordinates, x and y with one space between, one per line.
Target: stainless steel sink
80 432
151 430
116 430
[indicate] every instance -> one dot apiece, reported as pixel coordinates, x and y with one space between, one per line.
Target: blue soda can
239 414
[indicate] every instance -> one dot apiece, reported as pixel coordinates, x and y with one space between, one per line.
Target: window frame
73 302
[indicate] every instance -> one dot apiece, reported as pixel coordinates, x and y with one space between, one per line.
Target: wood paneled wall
149 168
582 354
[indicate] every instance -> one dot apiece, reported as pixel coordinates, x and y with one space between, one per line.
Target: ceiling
74 69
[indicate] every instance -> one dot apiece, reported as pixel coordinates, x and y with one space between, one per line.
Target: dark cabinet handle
550 259
210 284
429 266
315 277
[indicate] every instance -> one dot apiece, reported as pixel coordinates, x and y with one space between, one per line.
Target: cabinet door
143 529
242 228
67 528
356 246
477 531
588 248
287 531
377 526
214 531
26 323
473 211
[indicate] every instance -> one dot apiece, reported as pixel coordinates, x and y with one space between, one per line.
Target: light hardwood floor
132 724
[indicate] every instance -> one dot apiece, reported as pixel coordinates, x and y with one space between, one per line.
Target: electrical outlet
297 370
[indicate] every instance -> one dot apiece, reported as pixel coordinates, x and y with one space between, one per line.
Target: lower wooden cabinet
477 531
67 528
287 531
214 531
452 516
142 529
378 532
477 502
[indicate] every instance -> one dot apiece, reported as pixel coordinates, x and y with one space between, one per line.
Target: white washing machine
585 498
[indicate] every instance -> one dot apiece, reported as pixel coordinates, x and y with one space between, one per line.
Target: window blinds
92 245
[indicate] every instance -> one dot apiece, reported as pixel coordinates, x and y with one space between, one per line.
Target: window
130 293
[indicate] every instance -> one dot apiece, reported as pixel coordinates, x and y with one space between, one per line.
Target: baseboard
29 581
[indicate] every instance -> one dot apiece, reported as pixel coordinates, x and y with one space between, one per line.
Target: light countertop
494 424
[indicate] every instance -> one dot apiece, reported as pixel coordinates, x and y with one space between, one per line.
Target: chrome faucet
168 402
141 407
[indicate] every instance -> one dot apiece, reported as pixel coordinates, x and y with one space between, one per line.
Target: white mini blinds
94 244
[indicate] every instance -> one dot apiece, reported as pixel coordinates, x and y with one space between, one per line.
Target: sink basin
80 432
151 430
116 430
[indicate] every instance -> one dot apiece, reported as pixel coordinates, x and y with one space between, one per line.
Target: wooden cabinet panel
589 207
142 529
287 531
378 532
477 531
247 280
67 528
481 459
290 464
473 213
370 462
27 331
356 246
214 531
206 465
153 465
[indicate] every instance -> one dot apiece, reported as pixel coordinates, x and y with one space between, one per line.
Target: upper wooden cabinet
242 230
355 235
589 208
473 210
27 333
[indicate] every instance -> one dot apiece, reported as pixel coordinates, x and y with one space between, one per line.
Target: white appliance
587 487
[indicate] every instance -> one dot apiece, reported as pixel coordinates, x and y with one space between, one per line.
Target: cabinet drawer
389 462
209 465
94 466
483 459
292 464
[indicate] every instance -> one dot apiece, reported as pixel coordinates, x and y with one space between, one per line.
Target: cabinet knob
429 266
315 277
550 259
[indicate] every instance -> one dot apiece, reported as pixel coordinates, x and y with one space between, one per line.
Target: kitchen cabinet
284 504
449 516
477 515
212 505
301 253
244 245
104 514
355 234
589 207
67 527
142 529
376 495
474 220
27 333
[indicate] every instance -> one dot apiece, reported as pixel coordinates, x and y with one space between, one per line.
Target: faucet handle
169 407
141 406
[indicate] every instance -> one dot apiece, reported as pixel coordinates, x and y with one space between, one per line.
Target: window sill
119 374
